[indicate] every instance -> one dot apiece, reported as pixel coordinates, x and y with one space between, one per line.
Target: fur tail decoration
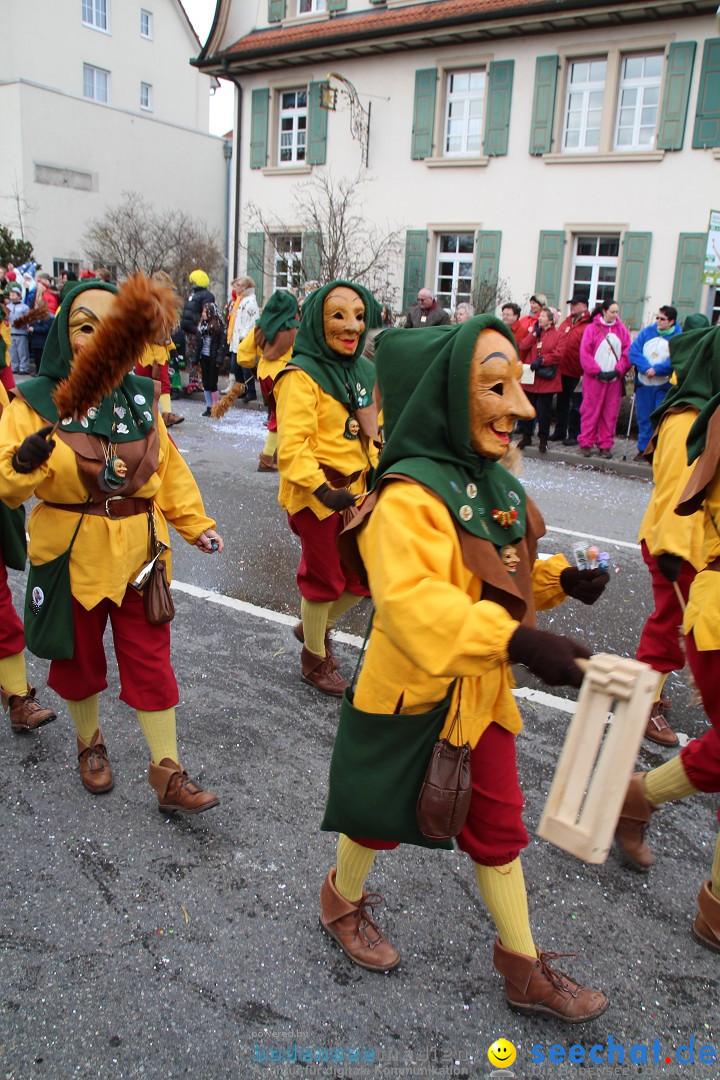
35 314
512 460
226 400
145 312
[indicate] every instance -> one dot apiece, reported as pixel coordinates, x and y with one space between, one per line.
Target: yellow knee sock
270 443
667 782
340 606
715 872
160 730
85 716
658 692
353 866
13 675
164 403
503 891
314 619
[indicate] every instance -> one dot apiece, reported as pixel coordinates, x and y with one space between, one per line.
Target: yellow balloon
502 1054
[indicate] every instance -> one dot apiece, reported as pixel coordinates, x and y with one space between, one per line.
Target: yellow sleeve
422 591
18 421
661 528
247 354
547 590
702 614
298 399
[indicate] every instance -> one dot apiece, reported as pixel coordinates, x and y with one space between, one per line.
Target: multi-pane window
146 24
308 7
453 275
64 264
293 126
595 267
464 108
583 105
96 83
145 96
287 268
638 102
95 13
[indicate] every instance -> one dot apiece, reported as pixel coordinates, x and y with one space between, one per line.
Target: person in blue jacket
650 353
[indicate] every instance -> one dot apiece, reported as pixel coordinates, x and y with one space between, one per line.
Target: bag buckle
112 498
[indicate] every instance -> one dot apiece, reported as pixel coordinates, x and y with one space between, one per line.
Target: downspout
237 153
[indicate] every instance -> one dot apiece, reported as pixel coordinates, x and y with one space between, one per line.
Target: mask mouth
503 436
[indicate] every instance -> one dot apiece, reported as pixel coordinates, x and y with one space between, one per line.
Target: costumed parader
454 608
16 694
695 359
268 346
327 433
85 439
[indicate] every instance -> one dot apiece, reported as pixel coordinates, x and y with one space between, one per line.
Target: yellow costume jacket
664 531
248 355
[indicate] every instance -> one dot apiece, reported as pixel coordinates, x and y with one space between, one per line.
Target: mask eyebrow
496 356
87 311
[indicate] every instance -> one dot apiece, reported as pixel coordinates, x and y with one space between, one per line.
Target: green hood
424 380
124 416
695 357
350 379
280 313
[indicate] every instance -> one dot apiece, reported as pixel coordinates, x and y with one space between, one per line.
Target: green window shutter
687 286
276 10
259 112
707 116
311 246
633 278
416 241
423 113
317 127
543 107
671 130
487 266
256 262
497 116
548 276
336 5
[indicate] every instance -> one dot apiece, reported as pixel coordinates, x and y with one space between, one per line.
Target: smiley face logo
502 1054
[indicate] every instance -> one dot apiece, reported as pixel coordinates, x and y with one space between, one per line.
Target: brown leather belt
714 564
337 480
115 506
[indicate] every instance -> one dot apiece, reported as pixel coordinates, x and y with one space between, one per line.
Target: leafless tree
490 293
134 235
339 239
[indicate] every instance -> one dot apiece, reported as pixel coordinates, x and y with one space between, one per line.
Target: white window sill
290 170
301 20
716 153
603 157
454 162
89 26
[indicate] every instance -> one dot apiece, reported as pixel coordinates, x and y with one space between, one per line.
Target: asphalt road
133 944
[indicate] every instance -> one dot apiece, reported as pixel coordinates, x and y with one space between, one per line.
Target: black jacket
192 311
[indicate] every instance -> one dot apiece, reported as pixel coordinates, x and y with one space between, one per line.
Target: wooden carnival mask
497 399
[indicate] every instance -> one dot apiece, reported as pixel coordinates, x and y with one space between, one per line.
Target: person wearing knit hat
327 432
696 363
449 548
269 346
98 478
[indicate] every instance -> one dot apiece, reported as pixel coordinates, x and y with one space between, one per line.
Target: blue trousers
647 399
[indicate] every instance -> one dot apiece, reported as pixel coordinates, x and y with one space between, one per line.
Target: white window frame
310 7
298 133
65 264
641 85
94 13
466 98
292 276
596 263
149 105
148 15
454 258
584 90
94 71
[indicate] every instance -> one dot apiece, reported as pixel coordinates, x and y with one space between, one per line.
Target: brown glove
335 499
584 585
33 451
549 656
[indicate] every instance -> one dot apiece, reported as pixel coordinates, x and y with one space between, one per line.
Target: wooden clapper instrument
597 759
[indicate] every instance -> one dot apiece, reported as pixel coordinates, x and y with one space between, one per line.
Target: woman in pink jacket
604 360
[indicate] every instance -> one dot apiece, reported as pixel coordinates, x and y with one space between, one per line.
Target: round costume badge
66 420
471 490
466 512
92 413
139 399
37 599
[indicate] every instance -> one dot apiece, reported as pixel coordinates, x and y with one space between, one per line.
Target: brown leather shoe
267 463
26 713
299 632
322 673
354 928
532 986
658 730
95 771
706 927
634 820
175 790
171 418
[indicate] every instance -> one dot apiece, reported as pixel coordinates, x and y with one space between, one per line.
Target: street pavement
134 944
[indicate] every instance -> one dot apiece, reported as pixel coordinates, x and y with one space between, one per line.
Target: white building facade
537 146
98 98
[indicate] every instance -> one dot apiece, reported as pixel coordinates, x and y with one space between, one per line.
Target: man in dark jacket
427 312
